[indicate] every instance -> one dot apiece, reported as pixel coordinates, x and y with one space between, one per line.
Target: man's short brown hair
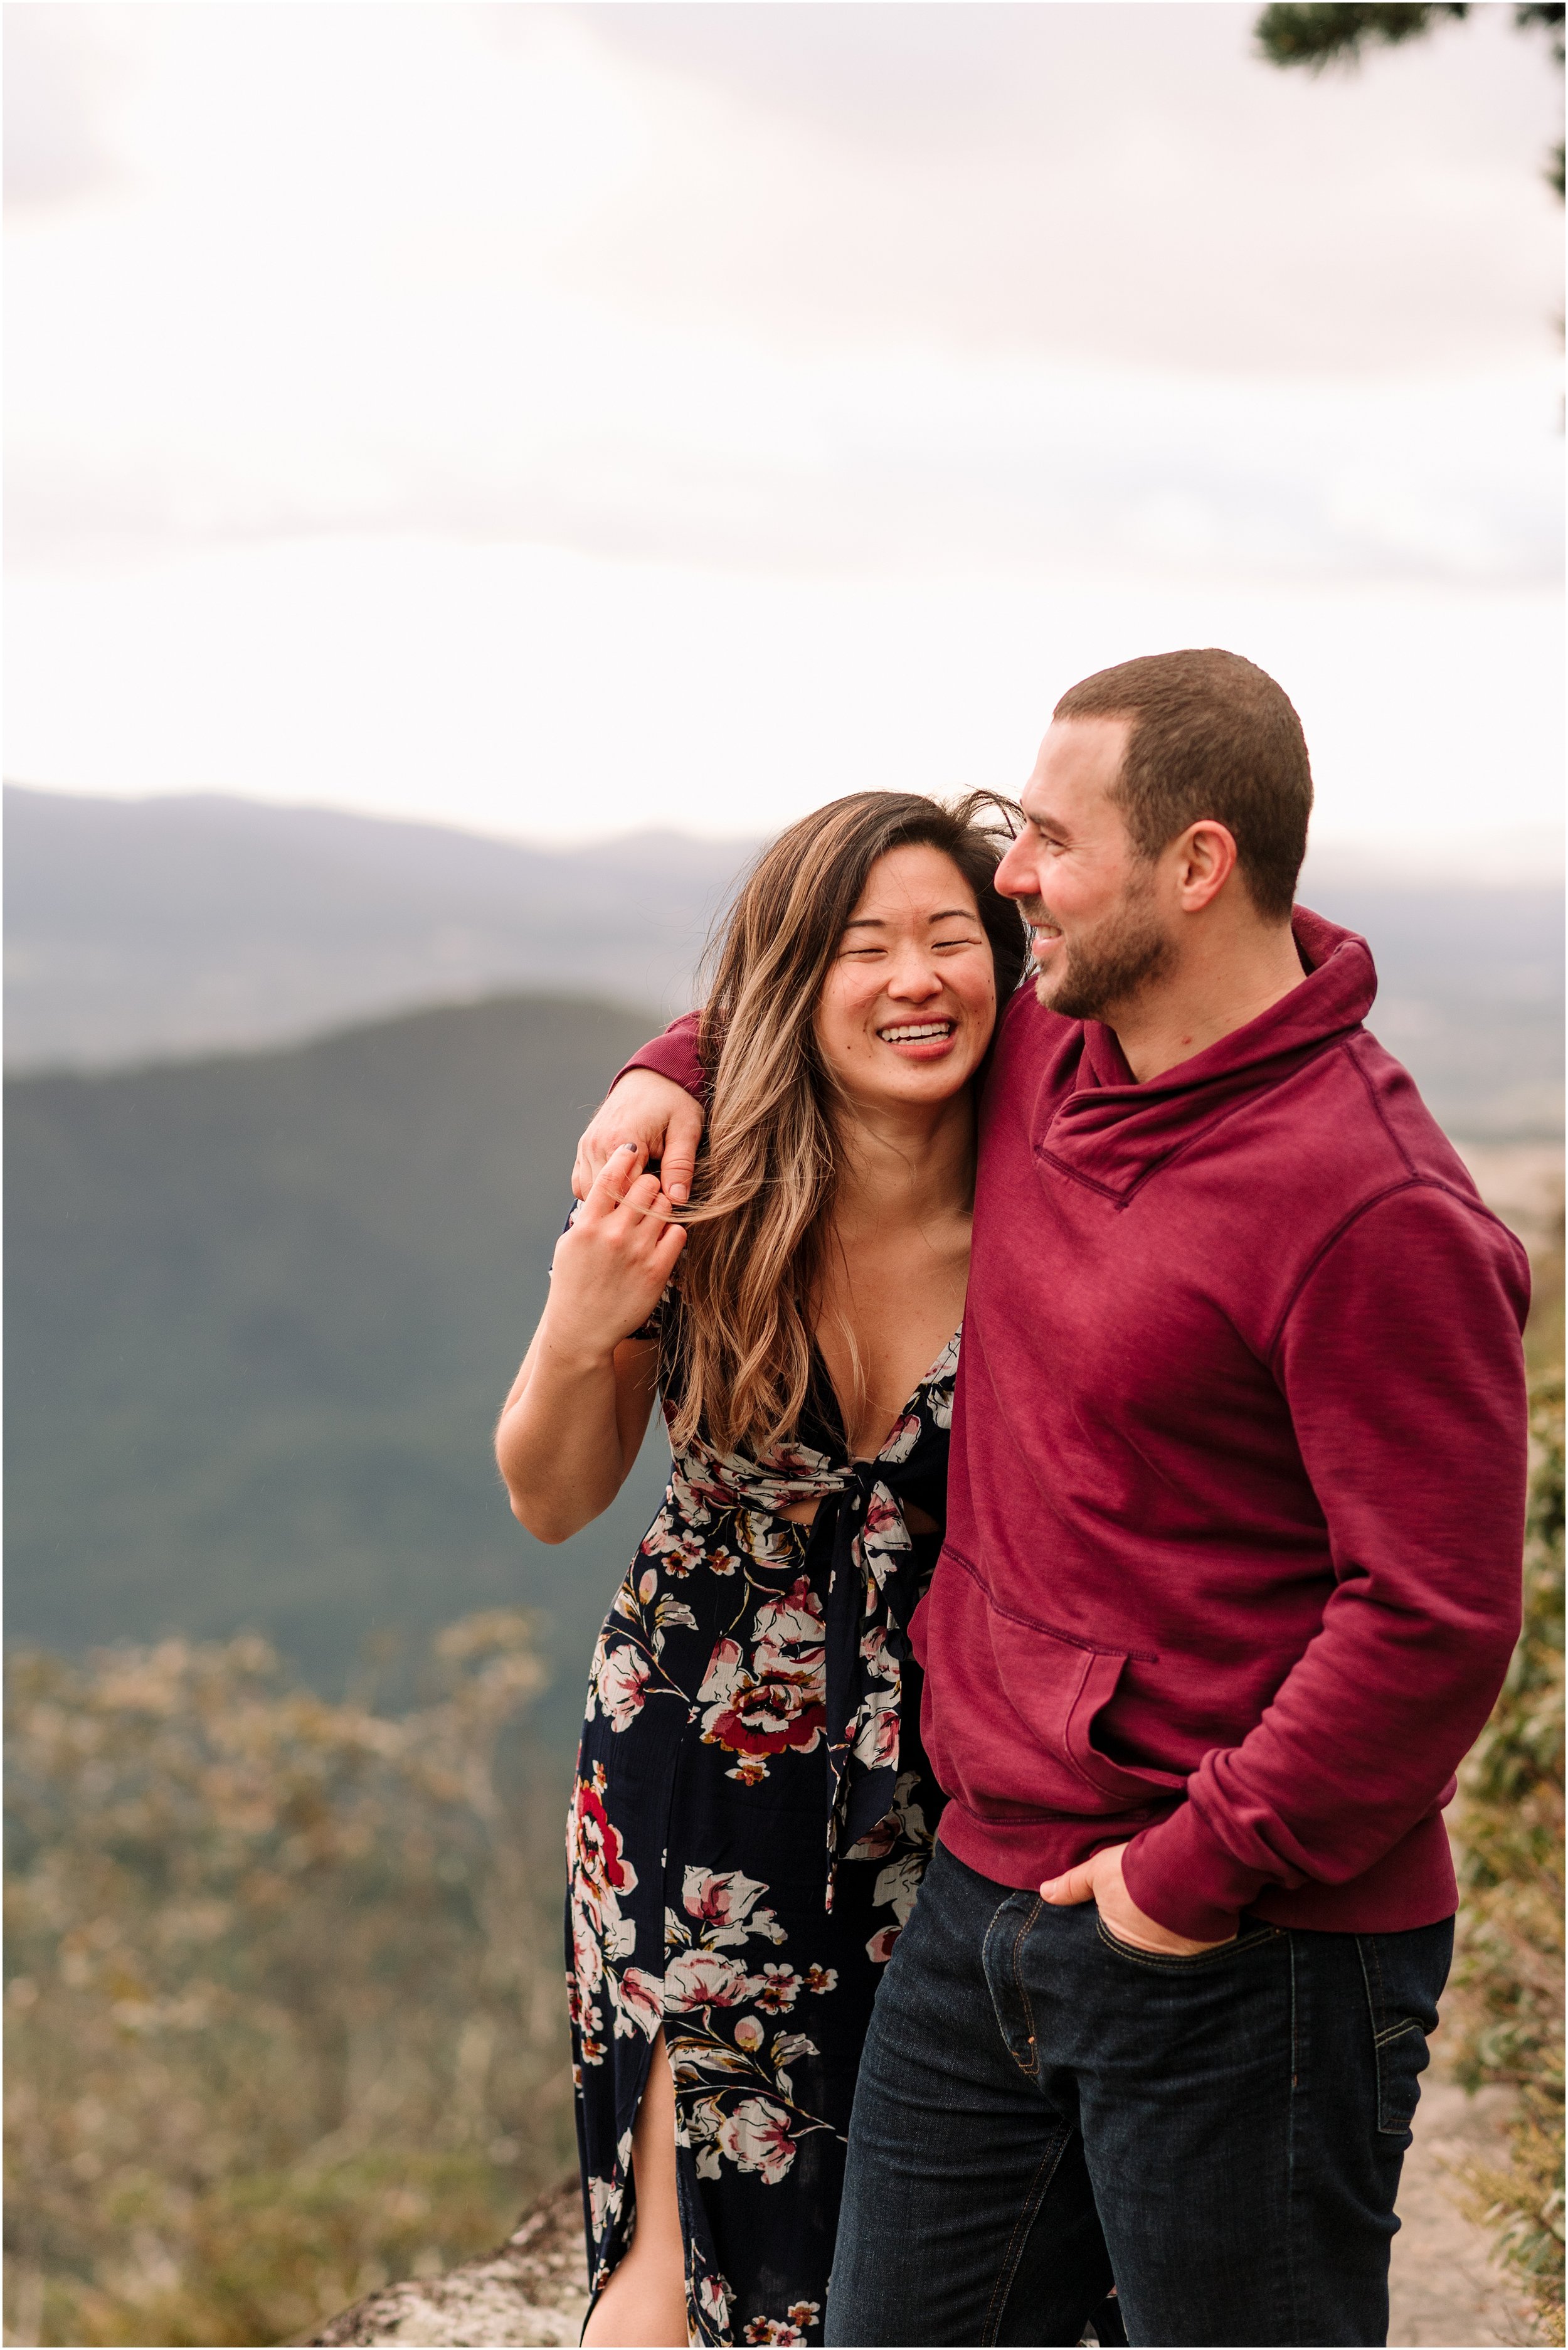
1212 735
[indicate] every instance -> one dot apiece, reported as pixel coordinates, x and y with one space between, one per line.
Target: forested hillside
263 1312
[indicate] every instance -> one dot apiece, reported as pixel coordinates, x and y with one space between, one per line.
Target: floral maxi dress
752 1818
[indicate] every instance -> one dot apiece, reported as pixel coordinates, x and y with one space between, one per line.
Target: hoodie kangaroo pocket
1009 1712
1058 1687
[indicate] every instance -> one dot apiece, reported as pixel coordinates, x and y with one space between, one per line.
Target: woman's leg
643 2306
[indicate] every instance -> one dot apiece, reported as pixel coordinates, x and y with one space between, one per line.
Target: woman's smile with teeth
916 1032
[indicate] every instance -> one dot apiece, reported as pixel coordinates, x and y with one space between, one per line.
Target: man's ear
1205 859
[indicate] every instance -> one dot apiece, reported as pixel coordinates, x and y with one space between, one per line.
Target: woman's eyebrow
948 914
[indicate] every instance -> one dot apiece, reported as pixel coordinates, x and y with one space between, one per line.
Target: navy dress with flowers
751 1819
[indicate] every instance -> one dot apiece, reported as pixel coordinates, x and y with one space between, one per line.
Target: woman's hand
610 1270
570 1429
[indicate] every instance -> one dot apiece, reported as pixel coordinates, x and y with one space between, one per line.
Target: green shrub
1507 2001
283 2013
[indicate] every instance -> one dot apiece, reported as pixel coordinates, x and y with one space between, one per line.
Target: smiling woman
869 916
752 1814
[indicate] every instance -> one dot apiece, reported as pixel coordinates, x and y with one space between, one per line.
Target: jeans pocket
1188 1962
1402 2056
1002 1964
1405 1974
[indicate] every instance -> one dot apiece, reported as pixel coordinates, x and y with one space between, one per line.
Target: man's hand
1099 1879
658 1118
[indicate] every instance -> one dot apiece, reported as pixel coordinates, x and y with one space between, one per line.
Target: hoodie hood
1111 1132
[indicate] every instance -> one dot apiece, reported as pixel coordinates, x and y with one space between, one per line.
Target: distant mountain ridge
163 929
1470 994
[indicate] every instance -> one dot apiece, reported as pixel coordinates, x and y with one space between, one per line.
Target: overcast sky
558 420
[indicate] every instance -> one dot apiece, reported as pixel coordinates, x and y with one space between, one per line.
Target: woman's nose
915 977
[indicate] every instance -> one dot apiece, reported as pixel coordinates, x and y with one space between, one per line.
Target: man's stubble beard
1123 955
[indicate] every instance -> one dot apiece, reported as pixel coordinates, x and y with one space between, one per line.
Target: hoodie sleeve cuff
1181 1875
673 1054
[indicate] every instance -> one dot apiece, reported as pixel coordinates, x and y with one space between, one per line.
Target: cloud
374 368
1121 183
519 688
60 65
725 457
790 288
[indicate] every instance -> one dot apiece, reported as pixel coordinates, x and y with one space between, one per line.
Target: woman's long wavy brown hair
750 1275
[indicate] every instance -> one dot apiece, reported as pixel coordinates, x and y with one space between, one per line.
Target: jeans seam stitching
1033 2064
1293 2110
985 1972
1371 1960
1192 1960
1028 2213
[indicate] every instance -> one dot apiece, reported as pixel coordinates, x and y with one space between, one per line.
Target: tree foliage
1318 33
283 2009
283 2013
1506 2005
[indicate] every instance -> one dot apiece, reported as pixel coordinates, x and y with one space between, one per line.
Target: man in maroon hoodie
1229 1583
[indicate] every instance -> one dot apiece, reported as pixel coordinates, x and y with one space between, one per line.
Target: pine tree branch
1318 33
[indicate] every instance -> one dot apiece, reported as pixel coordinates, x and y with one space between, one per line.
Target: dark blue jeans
1041 2107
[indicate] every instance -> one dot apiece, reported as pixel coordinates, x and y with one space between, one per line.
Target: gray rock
534 2290
1444 2286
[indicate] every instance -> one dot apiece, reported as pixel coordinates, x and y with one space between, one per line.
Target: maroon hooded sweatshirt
1236 1497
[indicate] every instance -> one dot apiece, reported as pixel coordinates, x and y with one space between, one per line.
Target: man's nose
1015 877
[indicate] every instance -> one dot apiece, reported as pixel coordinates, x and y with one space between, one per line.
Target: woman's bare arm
570 1429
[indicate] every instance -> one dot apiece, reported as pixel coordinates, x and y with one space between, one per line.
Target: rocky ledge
534 2291
1444 2286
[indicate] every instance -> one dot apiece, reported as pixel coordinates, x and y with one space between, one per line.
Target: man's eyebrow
948 914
